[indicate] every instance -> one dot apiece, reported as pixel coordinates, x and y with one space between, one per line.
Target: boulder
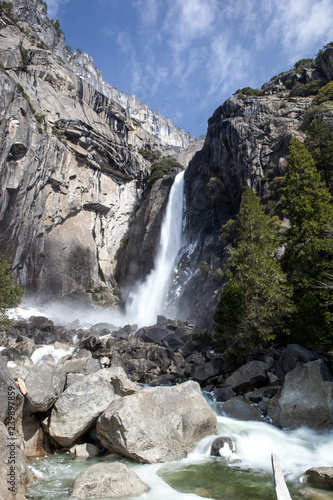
78 408
207 370
117 377
295 355
222 394
249 376
10 396
153 334
157 424
85 365
264 392
44 384
85 450
241 409
32 433
306 398
112 480
319 477
17 472
221 442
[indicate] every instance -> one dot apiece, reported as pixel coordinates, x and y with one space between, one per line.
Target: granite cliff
70 168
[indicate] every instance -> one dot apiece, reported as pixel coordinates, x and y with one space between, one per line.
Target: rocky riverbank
137 392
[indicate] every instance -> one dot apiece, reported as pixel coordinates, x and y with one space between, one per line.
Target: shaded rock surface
305 398
319 477
157 424
113 480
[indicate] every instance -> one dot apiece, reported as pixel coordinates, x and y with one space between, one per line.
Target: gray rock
219 443
306 398
8 389
113 480
44 385
85 450
241 409
20 476
252 374
224 393
319 477
295 355
122 385
207 370
264 392
157 424
78 408
84 365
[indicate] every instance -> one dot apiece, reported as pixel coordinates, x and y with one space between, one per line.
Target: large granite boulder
117 377
113 480
241 409
306 398
15 475
157 424
252 374
44 384
78 408
10 396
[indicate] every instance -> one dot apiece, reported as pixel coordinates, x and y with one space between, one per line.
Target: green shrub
148 154
218 275
248 91
304 64
325 94
159 169
10 294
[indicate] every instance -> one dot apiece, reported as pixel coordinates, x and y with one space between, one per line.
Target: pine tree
319 142
254 304
10 294
308 257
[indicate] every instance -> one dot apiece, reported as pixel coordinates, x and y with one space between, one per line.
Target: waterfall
148 299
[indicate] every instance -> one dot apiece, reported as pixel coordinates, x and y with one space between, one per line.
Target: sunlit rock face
70 169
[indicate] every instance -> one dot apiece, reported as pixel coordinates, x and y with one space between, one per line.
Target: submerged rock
319 477
113 480
157 424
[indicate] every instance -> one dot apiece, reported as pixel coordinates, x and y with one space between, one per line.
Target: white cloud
298 25
53 6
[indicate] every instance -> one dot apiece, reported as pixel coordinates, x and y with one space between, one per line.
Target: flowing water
148 299
243 474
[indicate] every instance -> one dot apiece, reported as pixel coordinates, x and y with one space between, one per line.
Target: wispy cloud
54 6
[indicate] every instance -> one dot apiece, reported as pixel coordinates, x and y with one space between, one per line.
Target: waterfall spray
149 297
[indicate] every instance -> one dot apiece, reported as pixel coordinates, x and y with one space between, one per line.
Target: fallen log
281 488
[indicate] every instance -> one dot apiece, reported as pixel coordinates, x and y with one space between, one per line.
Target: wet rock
222 394
241 409
221 442
112 480
32 433
263 392
157 424
78 407
252 374
319 477
44 384
305 399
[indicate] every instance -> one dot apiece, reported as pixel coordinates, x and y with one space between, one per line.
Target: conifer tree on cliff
308 258
256 300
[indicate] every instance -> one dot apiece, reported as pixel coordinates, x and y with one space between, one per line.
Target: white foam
46 350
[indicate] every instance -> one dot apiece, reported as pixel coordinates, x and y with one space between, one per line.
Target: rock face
15 475
108 480
305 399
70 170
78 408
157 424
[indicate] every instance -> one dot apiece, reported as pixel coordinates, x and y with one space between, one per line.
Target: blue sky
185 57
